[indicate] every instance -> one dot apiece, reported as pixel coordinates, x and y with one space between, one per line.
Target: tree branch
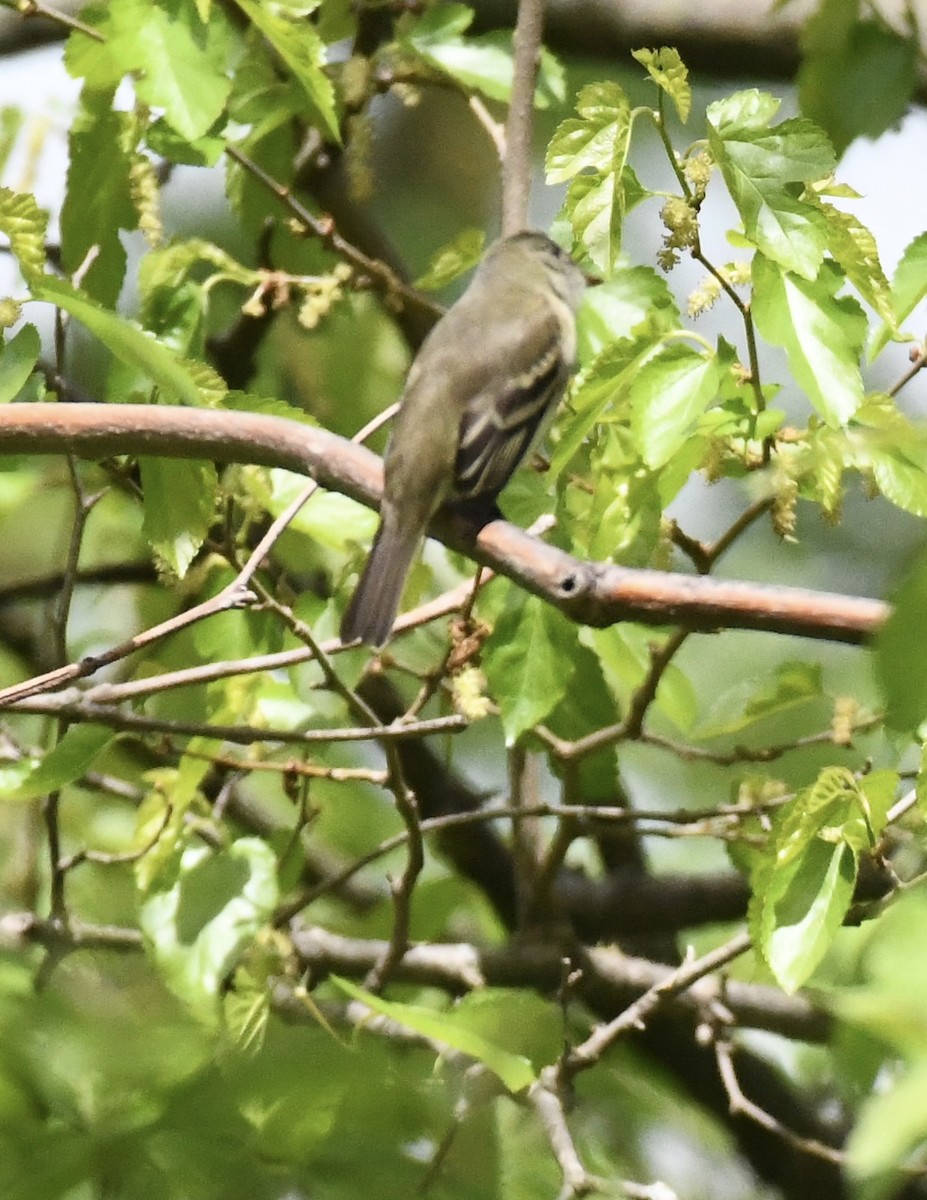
591 593
516 169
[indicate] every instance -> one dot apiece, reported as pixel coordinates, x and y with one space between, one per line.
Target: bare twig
516 171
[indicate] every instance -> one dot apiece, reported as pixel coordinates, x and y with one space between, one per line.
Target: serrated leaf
197 928
854 248
514 1070
66 762
666 68
803 882
909 287
760 164
528 663
178 73
98 200
592 150
24 223
129 343
602 386
822 334
453 260
635 302
303 51
179 502
18 356
856 77
668 394
482 63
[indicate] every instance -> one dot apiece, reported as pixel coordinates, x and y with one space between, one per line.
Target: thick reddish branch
588 592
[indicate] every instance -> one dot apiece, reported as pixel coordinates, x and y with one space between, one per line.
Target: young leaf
592 150
198 927
635 302
24 223
98 201
668 71
71 758
514 1070
669 393
180 505
792 684
821 333
18 357
803 883
303 51
759 162
528 663
854 248
909 287
124 339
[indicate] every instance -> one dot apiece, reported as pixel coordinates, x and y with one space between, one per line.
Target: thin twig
516 170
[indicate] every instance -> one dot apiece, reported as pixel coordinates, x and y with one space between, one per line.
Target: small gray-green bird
486 377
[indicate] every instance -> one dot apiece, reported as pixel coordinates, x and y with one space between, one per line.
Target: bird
480 391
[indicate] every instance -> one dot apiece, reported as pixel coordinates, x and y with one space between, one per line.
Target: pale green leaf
528 663
909 287
66 762
669 393
129 343
852 246
790 685
666 68
634 302
198 927
303 51
892 1125
24 224
821 333
514 1070
760 163
179 501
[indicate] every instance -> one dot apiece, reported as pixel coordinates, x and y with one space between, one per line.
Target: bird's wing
502 419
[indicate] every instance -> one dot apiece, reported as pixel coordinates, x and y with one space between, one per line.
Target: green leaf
528 661
666 68
98 201
483 63
18 356
856 77
603 386
821 333
634 303
69 760
303 51
591 150
199 926
802 884
669 393
453 260
179 74
180 507
854 248
909 287
892 1125
761 164
129 343
514 1070
791 685
901 652
25 224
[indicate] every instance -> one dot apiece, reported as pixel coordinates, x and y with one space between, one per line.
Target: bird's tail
375 602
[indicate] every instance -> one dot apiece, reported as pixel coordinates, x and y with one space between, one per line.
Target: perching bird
476 398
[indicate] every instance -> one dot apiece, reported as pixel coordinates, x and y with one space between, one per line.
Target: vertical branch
516 170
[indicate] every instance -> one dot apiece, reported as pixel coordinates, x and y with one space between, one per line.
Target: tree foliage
285 918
